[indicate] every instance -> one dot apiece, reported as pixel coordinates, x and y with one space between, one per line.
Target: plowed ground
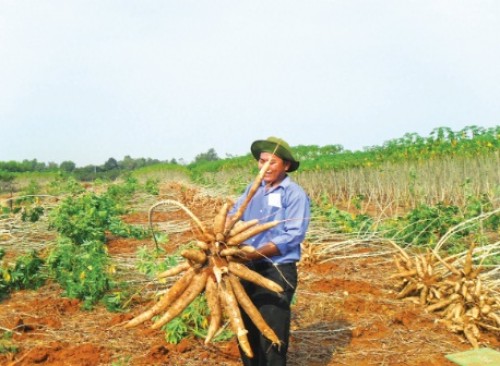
346 313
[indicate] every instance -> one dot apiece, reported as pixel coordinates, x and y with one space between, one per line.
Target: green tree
67 166
111 164
210 155
127 163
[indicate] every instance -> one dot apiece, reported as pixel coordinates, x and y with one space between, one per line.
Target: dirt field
346 314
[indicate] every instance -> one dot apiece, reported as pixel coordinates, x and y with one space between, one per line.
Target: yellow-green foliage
162 172
23 180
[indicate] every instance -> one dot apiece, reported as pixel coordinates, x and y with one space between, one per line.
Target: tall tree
67 166
111 164
210 155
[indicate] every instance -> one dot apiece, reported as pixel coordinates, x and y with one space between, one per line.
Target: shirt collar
284 183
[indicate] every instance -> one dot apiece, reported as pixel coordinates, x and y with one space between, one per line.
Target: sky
87 80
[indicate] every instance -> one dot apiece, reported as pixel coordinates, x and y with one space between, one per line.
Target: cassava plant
83 271
26 273
87 217
213 268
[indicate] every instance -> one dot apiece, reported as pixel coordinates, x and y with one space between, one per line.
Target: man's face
277 169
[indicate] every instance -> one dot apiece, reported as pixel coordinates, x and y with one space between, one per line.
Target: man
277 250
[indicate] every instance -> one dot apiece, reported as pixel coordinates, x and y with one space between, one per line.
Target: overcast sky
89 80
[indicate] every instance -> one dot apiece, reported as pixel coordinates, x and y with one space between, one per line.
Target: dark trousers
275 309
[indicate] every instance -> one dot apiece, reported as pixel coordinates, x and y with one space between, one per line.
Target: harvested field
346 311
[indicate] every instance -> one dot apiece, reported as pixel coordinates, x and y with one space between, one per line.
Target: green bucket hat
276 146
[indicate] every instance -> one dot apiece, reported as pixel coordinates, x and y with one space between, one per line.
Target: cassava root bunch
213 268
459 296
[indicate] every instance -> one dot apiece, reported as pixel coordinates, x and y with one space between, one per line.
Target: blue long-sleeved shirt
286 202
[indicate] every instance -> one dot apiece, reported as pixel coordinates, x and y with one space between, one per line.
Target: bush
83 271
26 273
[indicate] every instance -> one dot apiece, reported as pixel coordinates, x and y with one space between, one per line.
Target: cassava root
457 294
212 268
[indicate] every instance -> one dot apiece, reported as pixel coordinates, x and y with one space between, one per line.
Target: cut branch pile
215 269
452 288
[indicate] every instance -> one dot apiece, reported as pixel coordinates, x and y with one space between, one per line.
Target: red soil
346 314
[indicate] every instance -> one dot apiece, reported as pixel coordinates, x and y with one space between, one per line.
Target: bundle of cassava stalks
214 268
454 289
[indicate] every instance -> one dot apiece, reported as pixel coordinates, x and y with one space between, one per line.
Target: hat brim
278 150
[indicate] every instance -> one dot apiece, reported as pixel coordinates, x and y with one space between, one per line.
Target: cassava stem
248 198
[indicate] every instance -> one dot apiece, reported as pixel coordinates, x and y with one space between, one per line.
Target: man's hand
266 251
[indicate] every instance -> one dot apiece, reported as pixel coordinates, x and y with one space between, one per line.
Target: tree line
111 169
470 141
